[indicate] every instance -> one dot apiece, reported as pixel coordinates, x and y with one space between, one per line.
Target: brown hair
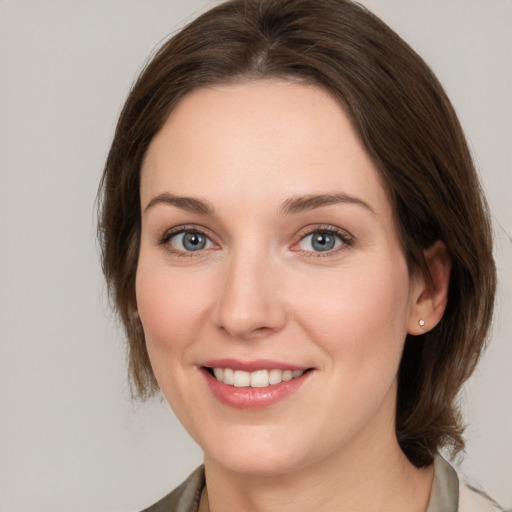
407 125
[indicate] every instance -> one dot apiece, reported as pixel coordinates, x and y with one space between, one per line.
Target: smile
256 379
253 385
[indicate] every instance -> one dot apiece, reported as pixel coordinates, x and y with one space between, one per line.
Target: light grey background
70 439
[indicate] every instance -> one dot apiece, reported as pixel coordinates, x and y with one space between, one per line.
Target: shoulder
185 498
451 493
472 499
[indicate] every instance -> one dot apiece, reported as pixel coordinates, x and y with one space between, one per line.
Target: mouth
255 385
256 379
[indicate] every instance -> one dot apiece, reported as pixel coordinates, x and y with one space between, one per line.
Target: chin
259 454
257 464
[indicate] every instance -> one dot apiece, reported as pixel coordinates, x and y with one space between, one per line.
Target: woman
299 249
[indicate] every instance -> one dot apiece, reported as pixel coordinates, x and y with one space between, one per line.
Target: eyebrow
302 204
190 204
292 205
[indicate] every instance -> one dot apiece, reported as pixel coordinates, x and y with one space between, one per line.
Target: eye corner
329 241
188 241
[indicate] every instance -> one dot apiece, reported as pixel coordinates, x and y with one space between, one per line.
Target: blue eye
320 241
189 241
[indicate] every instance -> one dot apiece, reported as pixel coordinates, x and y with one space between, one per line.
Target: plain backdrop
70 438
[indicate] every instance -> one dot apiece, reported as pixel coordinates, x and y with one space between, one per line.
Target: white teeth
275 377
228 377
257 379
242 379
287 375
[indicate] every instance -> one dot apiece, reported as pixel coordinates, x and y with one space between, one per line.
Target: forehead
271 138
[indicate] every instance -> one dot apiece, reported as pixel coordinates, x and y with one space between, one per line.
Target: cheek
360 317
170 306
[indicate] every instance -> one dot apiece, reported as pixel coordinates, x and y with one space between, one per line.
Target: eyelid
343 235
346 238
186 228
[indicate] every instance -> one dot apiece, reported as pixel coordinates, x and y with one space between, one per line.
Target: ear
430 296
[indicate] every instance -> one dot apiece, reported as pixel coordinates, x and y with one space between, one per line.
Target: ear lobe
430 296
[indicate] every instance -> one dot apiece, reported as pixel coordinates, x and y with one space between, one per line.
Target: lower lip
253 398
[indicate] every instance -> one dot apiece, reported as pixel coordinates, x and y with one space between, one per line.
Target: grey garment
184 498
444 496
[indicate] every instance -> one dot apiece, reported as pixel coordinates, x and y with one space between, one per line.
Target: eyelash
344 237
178 230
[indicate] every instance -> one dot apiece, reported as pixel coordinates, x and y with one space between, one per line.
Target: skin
259 290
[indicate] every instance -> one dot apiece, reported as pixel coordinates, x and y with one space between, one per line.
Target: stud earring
422 322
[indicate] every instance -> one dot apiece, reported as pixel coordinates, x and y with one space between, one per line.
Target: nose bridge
250 302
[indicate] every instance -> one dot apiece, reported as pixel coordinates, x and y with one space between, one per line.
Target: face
271 285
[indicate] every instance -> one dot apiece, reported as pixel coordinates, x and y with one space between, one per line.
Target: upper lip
252 366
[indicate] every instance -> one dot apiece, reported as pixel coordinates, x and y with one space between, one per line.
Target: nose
251 301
